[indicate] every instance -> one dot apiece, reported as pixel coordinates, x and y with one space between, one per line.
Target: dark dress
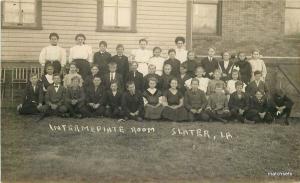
245 70
209 66
191 67
175 64
226 71
153 100
122 65
179 114
165 81
102 59
31 99
138 80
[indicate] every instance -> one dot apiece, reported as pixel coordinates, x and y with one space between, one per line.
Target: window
117 15
206 17
292 20
21 14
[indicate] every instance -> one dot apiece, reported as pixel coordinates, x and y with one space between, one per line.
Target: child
231 83
226 66
142 56
122 61
217 80
166 77
157 60
108 78
32 98
152 100
136 77
152 74
281 105
47 79
102 57
173 103
74 99
181 52
217 107
72 73
238 102
191 64
53 55
89 79
95 99
258 65
132 103
173 62
259 108
195 102
209 63
113 102
244 67
257 84
54 98
183 77
82 55
203 82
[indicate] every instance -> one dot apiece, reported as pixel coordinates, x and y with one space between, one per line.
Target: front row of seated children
172 104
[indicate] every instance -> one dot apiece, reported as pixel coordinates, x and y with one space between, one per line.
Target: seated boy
54 98
33 97
112 76
133 103
203 82
195 102
281 105
95 99
217 80
152 74
217 107
113 102
238 102
74 99
257 84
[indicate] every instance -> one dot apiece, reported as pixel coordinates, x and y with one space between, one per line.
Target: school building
273 26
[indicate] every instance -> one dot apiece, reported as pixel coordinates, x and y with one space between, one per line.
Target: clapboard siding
159 21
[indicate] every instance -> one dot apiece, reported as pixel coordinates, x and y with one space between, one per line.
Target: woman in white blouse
82 55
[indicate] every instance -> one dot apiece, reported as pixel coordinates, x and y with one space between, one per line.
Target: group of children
172 89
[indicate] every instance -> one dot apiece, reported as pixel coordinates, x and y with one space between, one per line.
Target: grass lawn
37 153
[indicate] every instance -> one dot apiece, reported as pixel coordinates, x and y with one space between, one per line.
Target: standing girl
258 65
157 60
226 66
244 67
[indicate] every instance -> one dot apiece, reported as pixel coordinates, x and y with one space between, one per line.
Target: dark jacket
209 66
54 97
138 80
96 96
30 95
102 59
236 103
122 65
252 87
132 103
118 78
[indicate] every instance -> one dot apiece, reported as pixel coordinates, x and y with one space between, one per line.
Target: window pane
124 17
109 16
110 3
11 12
292 24
204 18
28 10
292 3
124 3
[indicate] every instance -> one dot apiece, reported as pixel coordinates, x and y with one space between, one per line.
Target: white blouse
203 83
181 55
231 86
53 53
81 52
141 56
158 62
259 65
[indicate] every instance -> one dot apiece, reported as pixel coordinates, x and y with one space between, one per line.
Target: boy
136 77
54 98
132 103
203 82
257 84
183 77
74 99
209 63
33 97
152 74
173 62
217 107
53 55
113 102
181 52
122 61
195 102
217 80
102 57
238 102
112 76
259 108
281 105
95 99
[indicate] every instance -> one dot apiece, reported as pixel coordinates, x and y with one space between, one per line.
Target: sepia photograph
150 91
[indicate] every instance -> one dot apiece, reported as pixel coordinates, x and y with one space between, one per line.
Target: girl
82 55
166 77
181 52
226 66
72 73
157 60
102 58
258 65
244 67
173 62
231 83
173 101
142 56
191 63
152 100
217 80
203 82
47 79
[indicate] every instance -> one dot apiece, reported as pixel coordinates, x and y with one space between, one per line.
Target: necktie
111 76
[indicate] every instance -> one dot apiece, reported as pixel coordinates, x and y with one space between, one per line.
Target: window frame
101 28
38 19
293 35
